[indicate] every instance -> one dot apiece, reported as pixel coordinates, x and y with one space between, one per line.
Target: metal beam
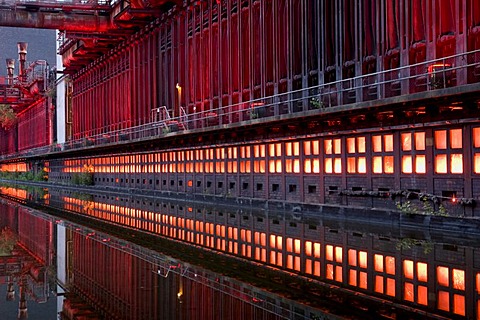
80 22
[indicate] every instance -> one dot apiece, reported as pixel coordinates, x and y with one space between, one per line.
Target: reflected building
100 276
26 256
392 268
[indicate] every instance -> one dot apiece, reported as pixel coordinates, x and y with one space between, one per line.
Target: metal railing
436 74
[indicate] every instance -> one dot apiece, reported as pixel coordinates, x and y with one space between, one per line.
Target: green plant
8 117
426 208
8 239
85 177
253 115
316 103
409 243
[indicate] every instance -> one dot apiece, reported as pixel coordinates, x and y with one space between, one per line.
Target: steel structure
342 102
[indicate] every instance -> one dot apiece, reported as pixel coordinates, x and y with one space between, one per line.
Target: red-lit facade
345 102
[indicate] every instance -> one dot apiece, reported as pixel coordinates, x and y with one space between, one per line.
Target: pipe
10 69
22 58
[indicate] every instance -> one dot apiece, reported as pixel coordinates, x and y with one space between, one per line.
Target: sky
41 45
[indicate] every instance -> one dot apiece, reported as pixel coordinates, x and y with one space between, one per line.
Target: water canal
70 254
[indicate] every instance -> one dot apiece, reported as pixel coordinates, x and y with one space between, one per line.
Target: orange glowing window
377 165
328 146
408 292
422 271
315 147
351 164
406 141
458 277
379 284
476 163
316 250
420 164
288 149
329 165
271 150
338 273
332 146
362 165
441 139
443 301
352 277
456 163
292 148
408 269
297 244
363 280
407 166
442 276
362 258
308 248
441 163
459 304
476 137
339 254
352 257
388 164
307 149
456 139
388 140
391 287
329 252
351 145
377 143
361 144
422 295
329 271
337 165
378 262
477 278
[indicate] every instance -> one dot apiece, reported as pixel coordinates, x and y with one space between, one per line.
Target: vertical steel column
251 56
176 81
229 53
461 31
211 62
154 66
289 52
263 50
193 57
181 39
339 32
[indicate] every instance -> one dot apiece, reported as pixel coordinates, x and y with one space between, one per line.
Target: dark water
116 256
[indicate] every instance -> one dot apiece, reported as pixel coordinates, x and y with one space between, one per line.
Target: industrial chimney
10 69
22 57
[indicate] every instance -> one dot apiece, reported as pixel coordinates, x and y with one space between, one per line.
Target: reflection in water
105 277
384 271
26 256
